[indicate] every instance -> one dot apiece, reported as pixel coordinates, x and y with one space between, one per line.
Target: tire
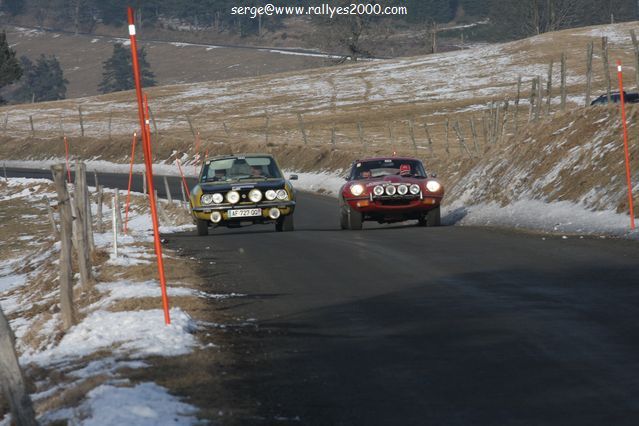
433 217
422 221
285 224
354 219
202 227
343 218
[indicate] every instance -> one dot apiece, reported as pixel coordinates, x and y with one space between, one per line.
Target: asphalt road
400 325
403 325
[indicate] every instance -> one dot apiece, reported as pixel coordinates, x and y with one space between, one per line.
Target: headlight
206 199
402 190
233 197
391 190
255 195
270 195
357 189
433 186
378 190
282 195
218 198
414 189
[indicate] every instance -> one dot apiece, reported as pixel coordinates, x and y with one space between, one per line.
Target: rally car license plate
245 213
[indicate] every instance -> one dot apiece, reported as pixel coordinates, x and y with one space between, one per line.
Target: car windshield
240 168
389 166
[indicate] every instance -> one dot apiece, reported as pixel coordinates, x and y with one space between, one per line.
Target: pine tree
10 70
42 81
117 71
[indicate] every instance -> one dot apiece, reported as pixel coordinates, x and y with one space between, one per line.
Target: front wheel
433 217
285 224
202 227
351 218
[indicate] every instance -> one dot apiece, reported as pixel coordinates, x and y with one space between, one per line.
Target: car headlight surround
433 186
270 195
255 195
218 198
282 195
378 190
391 190
402 190
357 189
232 197
414 189
206 199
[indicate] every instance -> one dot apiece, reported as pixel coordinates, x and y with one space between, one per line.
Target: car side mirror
293 177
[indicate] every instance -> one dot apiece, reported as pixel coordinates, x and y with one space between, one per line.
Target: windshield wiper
253 177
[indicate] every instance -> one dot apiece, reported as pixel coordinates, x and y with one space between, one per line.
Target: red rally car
389 189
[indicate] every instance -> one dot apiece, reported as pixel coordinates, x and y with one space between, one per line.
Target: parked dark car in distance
615 97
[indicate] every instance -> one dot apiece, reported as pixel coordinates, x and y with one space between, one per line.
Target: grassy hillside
323 119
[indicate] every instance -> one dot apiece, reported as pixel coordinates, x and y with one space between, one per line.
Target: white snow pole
115 228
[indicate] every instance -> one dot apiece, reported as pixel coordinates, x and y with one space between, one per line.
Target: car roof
223 157
363 160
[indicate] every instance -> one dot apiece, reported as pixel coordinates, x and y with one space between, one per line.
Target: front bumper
204 212
395 204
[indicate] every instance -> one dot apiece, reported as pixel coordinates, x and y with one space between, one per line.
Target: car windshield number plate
245 213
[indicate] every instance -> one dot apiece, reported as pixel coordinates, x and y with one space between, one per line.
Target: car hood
391 179
261 184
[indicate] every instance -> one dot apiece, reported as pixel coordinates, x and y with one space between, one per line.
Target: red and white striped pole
146 145
625 144
128 193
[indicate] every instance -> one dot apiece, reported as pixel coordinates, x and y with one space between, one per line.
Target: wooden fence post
474 133
589 56
54 228
188 119
144 182
83 249
100 203
167 189
517 99
447 136
12 378
110 121
462 141
360 133
66 229
186 204
411 133
391 136
533 94
6 122
226 129
549 88
267 125
300 121
539 99
606 66
32 128
333 137
81 120
430 140
118 210
564 93
155 126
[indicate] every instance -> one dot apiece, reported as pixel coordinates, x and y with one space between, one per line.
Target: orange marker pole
625 145
146 145
66 151
186 187
128 194
197 149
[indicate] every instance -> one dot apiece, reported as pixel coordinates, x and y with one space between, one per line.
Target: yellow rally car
237 190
